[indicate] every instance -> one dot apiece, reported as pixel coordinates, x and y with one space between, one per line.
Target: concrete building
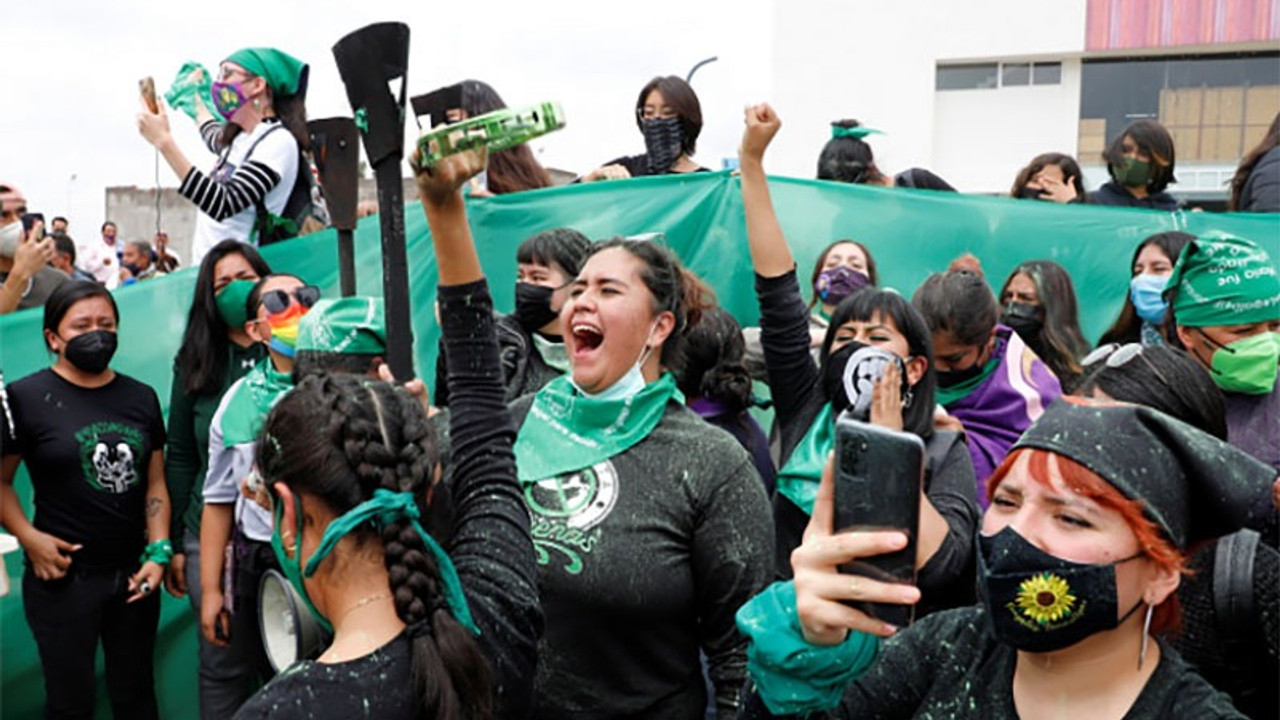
973 90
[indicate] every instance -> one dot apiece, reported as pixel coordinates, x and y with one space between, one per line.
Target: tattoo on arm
154 506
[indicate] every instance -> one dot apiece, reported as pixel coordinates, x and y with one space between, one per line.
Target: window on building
1216 107
1015 74
1046 73
967 77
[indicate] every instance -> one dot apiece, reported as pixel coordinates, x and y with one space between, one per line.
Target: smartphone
879 473
147 86
29 221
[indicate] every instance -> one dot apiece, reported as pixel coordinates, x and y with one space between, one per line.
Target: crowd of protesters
582 519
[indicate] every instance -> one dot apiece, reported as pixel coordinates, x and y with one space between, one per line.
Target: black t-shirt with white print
88 452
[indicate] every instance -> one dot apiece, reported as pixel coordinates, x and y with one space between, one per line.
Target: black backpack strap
1233 602
260 206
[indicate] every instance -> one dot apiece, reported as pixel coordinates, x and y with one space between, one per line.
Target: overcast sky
70 72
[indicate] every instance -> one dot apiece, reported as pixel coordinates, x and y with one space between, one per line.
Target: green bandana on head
350 325
1223 280
857 133
567 431
284 73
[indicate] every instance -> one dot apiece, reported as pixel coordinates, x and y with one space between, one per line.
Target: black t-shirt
88 451
638 166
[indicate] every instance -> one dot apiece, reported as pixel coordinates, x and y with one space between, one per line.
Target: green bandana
255 395
284 73
955 393
799 477
183 92
553 353
857 133
1223 280
350 325
568 431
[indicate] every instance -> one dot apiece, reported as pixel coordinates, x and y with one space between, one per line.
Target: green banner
911 233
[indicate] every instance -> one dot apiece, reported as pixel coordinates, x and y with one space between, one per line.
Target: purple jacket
999 410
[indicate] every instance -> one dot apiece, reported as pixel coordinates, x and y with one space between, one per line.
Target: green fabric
160 552
254 397
553 353
856 133
799 477
567 431
1131 172
384 508
233 303
1221 279
1248 366
791 675
350 325
183 92
284 73
958 392
911 233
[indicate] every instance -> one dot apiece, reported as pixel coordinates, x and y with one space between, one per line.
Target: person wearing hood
670 118
257 92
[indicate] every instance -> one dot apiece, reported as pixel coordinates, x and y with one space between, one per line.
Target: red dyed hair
1153 542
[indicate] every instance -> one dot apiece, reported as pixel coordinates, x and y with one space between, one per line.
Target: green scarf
1223 280
956 393
567 431
254 397
799 477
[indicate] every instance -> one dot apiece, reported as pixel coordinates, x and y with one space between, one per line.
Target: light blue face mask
1145 291
631 383
383 509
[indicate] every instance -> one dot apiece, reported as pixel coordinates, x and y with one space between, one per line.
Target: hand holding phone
147 87
33 221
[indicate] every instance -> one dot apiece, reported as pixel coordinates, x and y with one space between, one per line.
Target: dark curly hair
712 362
339 438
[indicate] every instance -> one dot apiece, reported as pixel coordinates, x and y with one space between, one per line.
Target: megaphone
289 631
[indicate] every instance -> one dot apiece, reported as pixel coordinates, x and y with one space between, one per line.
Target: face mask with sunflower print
1041 603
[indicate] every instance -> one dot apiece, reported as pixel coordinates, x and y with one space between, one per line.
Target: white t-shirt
278 150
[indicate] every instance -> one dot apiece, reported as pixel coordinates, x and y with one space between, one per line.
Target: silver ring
145 588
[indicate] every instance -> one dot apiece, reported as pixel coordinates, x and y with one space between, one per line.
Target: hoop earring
907 397
1146 629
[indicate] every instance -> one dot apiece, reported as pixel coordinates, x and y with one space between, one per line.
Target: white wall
874 60
981 138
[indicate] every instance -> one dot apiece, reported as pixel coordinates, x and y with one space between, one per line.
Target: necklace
361 603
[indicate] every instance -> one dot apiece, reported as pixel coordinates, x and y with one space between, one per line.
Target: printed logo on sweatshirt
109 454
566 511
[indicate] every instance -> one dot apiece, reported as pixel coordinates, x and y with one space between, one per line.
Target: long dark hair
1269 141
1070 169
822 259
1167 379
1154 141
1061 330
958 302
674 289
202 359
848 159
860 306
292 113
69 293
1128 326
712 362
339 438
509 170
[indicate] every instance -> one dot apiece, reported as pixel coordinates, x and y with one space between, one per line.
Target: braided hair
339 438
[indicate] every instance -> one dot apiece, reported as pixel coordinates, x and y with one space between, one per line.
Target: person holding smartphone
808 395
1080 554
26 278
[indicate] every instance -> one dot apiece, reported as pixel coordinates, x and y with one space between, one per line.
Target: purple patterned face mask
837 283
227 98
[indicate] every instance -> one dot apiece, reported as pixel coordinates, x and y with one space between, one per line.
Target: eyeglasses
277 301
226 72
1116 355
649 112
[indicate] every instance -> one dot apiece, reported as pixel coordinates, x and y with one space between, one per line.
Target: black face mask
533 306
663 143
1040 603
851 374
91 352
1026 319
951 378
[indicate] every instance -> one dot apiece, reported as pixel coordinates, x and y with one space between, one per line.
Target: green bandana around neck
284 73
567 431
956 393
553 354
799 477
255 395
349 325
1223 280
857 133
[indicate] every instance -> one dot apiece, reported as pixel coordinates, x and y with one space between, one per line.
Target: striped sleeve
211 133
248 185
